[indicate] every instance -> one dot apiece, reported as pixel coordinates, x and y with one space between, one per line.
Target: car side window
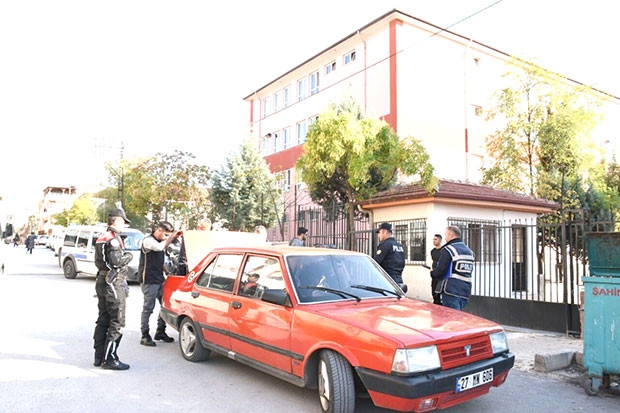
261 273
205 277
70 238
221 273
82 240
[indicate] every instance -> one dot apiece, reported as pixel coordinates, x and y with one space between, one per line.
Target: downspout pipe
466 56
365 72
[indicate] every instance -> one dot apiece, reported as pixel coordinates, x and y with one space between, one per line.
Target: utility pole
119 173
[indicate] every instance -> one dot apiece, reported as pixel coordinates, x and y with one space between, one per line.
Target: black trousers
436 296
111 319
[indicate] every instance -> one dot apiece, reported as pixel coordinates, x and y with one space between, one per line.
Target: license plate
474 380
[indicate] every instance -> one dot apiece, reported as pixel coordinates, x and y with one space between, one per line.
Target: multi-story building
426 82
55 200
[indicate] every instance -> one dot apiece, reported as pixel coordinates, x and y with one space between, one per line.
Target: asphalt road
46 326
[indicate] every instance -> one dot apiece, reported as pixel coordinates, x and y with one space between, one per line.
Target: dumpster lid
603 253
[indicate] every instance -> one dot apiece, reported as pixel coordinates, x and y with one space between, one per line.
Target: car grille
455 354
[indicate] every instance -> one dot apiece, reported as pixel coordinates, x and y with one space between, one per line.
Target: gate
528 273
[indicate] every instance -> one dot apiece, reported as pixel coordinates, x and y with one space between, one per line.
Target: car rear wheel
69 269
336 386
189 342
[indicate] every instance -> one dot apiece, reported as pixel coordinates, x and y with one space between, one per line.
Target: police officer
454 270
111 260
390 253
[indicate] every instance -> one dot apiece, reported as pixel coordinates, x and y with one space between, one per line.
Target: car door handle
236 305
195 294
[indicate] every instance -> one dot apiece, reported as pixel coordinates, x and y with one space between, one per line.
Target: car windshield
338 277
133 241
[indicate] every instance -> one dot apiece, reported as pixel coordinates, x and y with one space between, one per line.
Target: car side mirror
403 287
276 296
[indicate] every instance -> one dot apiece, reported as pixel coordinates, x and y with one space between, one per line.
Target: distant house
494 223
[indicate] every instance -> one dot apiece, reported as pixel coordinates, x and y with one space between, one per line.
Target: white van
77 253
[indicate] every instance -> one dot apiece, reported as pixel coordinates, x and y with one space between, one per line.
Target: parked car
333 320
77 253
41 240
57 239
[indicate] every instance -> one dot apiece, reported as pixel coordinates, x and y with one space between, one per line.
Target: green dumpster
601 341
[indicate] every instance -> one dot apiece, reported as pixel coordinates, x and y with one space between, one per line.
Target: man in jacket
435 258
454 270
390 253
300 239
111 260
151 272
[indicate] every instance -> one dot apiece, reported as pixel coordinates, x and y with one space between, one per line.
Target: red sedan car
334 321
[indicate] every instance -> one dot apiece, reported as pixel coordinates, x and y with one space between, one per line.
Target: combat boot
162 336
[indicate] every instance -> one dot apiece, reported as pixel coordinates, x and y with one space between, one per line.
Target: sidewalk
559 355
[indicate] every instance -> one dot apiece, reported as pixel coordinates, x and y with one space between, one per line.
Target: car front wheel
189 342
69 269
336 386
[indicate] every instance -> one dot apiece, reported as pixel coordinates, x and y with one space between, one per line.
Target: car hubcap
188 339
324 386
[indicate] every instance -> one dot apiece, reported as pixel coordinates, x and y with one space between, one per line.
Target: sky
82 82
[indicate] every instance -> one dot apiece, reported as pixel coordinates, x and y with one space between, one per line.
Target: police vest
457 281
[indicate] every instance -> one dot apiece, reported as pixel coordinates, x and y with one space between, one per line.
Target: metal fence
542 259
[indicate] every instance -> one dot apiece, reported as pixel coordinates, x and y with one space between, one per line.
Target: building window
301 132
276 102
330 68
314 83
287 137
276 142
302 88
265 107
481 236
477 110
313 120
287 96
412 234
349 57
284 180
264 144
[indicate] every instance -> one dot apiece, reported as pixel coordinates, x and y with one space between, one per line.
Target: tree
349 157
163 187
546 124
243 191
82 212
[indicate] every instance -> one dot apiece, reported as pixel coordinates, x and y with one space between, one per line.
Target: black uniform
391 256
435 252
111 260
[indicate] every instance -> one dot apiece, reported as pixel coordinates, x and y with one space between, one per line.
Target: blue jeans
151 293
453 302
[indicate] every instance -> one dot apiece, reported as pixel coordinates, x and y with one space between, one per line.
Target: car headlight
415 360
499 342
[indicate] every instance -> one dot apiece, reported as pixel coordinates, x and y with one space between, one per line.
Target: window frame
482 236
349 58
301 137
314 83
287 96
330 67
302 89
411 233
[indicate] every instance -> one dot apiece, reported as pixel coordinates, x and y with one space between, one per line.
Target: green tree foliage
83 212
546 129
243 191
349 157
168 186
